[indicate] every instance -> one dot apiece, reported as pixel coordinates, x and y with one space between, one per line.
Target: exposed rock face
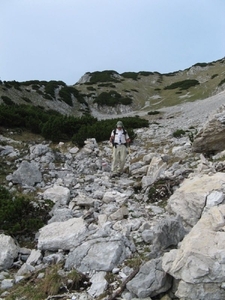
199 261
194 193
210 139
85 78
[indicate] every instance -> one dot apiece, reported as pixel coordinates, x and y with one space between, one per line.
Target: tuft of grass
179 133
75 279
54 282
133 262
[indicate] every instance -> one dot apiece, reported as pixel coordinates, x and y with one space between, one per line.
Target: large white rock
155 169
8 251
97 255
190 199
201 258
28 173
58 194
151 280
98 284
114 196
62 235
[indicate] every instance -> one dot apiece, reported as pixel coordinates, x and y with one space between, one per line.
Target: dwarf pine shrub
112 98
182 85
178 133
21 215
7 100
104 76
221 82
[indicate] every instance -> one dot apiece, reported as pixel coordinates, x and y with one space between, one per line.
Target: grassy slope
148 92
150 89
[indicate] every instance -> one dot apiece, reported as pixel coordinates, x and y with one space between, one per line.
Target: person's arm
112 138
127 140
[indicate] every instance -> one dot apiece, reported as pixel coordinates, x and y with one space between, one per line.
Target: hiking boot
113 175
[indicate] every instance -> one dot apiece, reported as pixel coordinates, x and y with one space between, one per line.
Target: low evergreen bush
66 93
178 133
26 99
20 215
131 75
7 100
155 112
182 85
104 76
112 98
221 82
213 76
51 86
56 127
145 73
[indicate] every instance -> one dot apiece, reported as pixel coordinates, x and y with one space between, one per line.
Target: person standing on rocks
119 139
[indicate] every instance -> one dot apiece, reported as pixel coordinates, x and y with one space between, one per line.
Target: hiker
119 139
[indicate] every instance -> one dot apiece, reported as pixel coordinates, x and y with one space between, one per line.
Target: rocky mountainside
106 93
155 232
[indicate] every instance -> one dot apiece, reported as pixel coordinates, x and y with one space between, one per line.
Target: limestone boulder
190 199
8 251
62 235
102 251
150 281
27 174
58 194
199 262
211 137
155 169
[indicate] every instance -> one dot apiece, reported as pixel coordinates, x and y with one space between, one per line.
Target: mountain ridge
108 92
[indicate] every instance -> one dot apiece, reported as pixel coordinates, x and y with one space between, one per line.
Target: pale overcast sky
64 39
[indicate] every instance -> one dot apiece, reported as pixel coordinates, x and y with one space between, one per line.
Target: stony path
186 114
194 113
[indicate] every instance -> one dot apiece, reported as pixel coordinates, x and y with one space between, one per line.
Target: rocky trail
150 228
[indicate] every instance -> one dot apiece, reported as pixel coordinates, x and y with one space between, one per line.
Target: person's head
119 124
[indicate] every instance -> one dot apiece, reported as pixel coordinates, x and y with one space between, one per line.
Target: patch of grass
179 133
6 167
133 262
54 282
